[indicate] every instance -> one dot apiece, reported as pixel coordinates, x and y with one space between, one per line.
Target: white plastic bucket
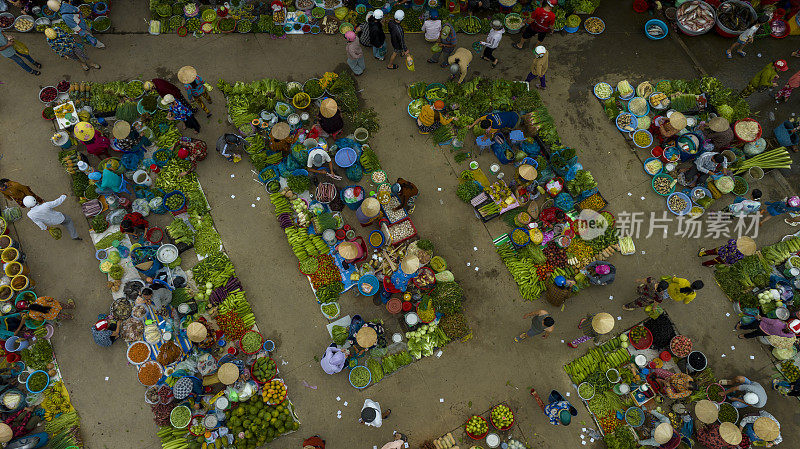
141 178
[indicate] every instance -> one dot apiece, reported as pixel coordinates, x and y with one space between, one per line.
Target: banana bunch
237 303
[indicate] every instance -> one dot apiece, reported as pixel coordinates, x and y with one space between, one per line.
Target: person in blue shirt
7 49
558 410
75 21
107 181
496 121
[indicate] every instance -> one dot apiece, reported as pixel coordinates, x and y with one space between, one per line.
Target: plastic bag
410 63
21 48
55 233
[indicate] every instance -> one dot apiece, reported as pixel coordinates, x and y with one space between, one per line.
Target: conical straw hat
196 332
348 250
663 433
187 74
730 433
370 207
602 323
121 130
718 124
766 429
366 337
280 131
746 245
410 264
706 411
677 120
528 172
228 373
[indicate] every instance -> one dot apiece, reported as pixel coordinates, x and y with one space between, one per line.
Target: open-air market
420 224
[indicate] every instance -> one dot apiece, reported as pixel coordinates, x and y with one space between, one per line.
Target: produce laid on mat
708 114
544 241
331 16
491 428
345 240
613 380
199 344
33 385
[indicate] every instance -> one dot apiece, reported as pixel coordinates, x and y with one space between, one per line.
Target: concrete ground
470 376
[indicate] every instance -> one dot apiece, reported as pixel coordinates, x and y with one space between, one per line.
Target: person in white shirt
45 217
317 158
371 413
432 27
745 38
492 42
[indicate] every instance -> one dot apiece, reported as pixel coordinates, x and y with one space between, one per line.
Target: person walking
765 78
593 326
681 290
448 40
179 111
196 90
785 388
729 253
786 91
371 414
398 38
541 323
17 192
789 205
742 207
227 143
164 88
492 42
459 63
763 326
539 66
44 215
400 441
558 410
432 27
74 19
649 291
8 48
745 38
376 35
65 46
540 24
355 55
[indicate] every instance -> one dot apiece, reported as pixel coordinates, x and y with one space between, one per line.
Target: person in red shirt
541 23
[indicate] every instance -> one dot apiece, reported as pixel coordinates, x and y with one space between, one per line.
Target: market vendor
228 143
405 192
721 134
662 433
593 327
330 117
600 273
125 139
763 326
707 164
674 385
96 143
134 224
541 323
745 392
11 323
670 128
729 253
195 88
164 88
45 308
741 206
281 138
459 63
108 181
762 428
314 442
559 290
197 333
158 294
558 410
367 337
74 19
497 121
317 158
105 331
431 117
786 388
334 359
192 150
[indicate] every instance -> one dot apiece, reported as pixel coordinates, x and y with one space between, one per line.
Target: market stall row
651 386
33 390
729 18
766 285
332 17
694 137
546 197
28 17
190 331
352 234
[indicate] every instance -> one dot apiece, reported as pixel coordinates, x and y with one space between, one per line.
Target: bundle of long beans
776 158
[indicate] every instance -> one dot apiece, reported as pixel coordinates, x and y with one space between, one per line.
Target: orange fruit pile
274 392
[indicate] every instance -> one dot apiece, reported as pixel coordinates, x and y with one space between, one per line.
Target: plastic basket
241 347
747 120
647 103
685 197
658 23
28 381
645 132
359 368
498 427
127 353
178 425
644 343
648 160
172 194
477 437
594 90
252 366
159 157
634 122
346 157
330 317
634 421
662 175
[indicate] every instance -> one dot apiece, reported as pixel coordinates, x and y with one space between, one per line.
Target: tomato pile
232 325
327 272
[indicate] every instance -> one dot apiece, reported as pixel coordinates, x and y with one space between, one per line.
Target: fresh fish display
696 16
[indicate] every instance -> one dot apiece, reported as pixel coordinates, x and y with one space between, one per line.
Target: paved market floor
469 376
